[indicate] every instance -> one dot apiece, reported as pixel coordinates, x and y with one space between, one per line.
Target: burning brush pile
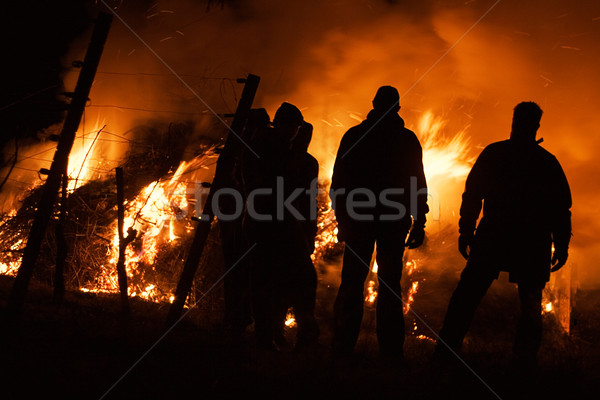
163 189
166 175
158 205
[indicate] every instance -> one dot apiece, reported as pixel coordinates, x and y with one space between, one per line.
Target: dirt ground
81 349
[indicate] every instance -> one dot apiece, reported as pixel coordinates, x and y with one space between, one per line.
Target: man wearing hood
278 221
378 191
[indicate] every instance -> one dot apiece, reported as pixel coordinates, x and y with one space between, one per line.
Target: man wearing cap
379 194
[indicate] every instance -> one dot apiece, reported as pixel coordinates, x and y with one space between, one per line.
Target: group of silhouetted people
379 194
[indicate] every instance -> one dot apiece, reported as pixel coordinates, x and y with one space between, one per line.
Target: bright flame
12 267
290 319
371 292
442 157
410 298
161 209
155 213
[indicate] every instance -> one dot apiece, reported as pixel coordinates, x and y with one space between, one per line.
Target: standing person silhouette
378 171
236 283
526 210
300 284
275 183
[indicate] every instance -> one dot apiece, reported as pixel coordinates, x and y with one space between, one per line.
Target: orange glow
290 320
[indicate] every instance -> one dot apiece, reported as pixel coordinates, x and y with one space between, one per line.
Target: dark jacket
379 154
526 208
303 173
280 168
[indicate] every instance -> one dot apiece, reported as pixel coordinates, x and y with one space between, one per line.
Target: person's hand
559 259
415 237
464 245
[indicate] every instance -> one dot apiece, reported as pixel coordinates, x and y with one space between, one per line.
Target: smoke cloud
469 63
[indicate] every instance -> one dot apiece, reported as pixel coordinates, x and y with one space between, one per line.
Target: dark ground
81 350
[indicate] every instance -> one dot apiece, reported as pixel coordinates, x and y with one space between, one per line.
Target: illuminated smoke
329 58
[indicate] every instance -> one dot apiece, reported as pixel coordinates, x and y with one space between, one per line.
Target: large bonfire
164 190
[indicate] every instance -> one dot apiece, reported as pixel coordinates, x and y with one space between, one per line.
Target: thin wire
28 97
163 74
87 154
179 77
146 109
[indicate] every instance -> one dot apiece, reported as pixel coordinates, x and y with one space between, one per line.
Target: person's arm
417 232
311 213
422 207
471 205
340 183
561 227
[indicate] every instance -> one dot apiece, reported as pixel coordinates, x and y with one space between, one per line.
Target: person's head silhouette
526 121
386 99
288 119
303 138
258 120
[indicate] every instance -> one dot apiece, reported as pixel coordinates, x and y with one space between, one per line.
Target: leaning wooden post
123 242
59 165
223 168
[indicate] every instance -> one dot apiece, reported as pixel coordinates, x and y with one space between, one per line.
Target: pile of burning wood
161 193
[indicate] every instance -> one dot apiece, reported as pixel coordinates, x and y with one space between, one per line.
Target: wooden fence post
224 164
59 165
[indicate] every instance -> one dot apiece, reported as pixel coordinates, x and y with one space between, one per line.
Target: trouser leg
474 282
236 282
349 303
263 295
389 311
304 302
529 328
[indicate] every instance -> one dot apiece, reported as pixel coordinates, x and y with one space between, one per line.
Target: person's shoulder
493 151
501 144
496 147
544 152
408 135
547 157
352 136
356 130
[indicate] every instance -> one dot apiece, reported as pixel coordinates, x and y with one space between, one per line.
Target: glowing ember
371 292
12 267
427 338
290 319
410 298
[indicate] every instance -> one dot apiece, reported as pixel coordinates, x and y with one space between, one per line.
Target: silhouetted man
273 222
236 283
526 209
300 286
378 184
